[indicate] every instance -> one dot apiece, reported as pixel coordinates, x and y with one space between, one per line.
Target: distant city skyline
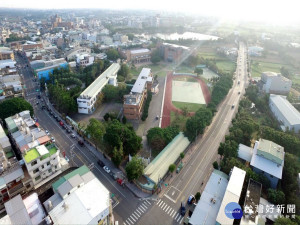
281 12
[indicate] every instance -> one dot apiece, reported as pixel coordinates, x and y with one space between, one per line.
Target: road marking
158 201
169 210
171 199
165 207
132 218
173 192
145 205
124 223
148 202
178 219
142 210
173 213
181 220
176 216
130 221
137 214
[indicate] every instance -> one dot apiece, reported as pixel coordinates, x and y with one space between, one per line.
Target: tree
197 196
12 106
182 155
155 57
172 168
284 221
118 155
96 130
276 196
185 111
216 165
112 54
124 71
134 169
124 120
130 36
198 71
106 117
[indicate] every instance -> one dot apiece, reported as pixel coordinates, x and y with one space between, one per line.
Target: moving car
191 199
232 106
182 209
100 163
107 170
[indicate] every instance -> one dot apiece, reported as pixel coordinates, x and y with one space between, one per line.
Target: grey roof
64 188
88 177
17 212
13 175
139 51
289 112
76 180
245 152
54 199
139 85
206 211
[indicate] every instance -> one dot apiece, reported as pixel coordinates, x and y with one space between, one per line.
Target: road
196 172
125 203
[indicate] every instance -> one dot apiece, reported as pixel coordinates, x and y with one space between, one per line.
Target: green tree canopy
117 155
112 54
96 130
134 169
124 71
155 57
198 71
12 106
276 196
172 168
284 221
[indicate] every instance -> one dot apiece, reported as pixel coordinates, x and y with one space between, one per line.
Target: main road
198 168
125 204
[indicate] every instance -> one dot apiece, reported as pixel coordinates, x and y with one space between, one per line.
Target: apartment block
275 83
134 102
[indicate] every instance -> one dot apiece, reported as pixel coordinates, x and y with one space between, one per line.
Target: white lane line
135 213
142 209
167 208
129 221
124 223
148 202
132 218
145 206
181 220
158 201
163 205
176 216
178 219
172 213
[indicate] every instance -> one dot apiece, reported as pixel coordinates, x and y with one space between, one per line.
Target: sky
274 11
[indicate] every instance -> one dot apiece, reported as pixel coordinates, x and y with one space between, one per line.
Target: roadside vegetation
12 106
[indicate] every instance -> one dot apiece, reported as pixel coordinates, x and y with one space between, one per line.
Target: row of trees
112 93
12 106
146 106
221 89
158 138
124 73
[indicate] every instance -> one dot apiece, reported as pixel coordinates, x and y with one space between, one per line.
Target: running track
168 106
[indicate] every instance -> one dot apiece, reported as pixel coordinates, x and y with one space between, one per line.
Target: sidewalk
136 191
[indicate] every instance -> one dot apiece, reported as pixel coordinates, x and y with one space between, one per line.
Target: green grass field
186 79
226 65
192 107
178 120
257 67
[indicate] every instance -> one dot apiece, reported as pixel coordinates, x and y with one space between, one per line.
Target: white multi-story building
84 60
87 99
275 83
79 198
285 112
42 162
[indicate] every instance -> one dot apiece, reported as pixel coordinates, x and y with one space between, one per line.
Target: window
37 178
48 163
42 166
272 176
50 170
36 170
33 163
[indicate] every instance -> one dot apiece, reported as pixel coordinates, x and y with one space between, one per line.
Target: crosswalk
174 213
135 216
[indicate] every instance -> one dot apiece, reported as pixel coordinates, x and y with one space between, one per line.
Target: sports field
189 92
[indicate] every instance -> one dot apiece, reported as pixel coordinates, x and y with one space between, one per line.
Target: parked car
80 142
47 132
67 159
57 119
120 181
61 123
191 199
52 139
68 130
73 135
179 168
100 163
182 209
107 170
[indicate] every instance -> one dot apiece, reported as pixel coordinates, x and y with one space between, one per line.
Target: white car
52 139
107 170
67 159
73 135
47 132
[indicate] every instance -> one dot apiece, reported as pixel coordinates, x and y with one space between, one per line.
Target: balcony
16 189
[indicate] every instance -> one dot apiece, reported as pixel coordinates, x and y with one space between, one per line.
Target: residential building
88 98
138 56
11 86
43 68
42 162
173 53
208 206
232 194
285 112
255 50
6 53
25 132
31 46
275 83
13 181
266 158
7 63
134 102
79 198
84 60
27 211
